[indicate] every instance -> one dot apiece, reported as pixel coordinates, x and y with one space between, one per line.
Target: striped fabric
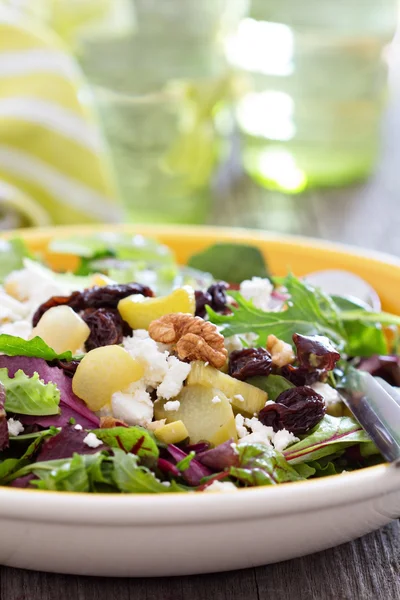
51 149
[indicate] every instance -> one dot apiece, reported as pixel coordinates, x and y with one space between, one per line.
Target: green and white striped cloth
53 164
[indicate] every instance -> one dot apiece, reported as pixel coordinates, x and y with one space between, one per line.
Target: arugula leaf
184 464
260 465
12 253
329 436
67 476
131 478
129 439
29 395
15 346
272 384
231 262
303 315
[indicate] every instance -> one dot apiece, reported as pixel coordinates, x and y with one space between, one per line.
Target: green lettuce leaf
15 346
231 262
12 253
131 478
272 384
64 475
11 465
309 311
260 465
332 434
130 439
29 395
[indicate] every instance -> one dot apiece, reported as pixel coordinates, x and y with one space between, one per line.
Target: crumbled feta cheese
166 483
92 441
174 378
172 405
10 308
162 372
282 439
78 427
239 397
240 428
206 364
216 400
258 290
329 394
134 407
255 432
221 486
268 402
15 427
22 329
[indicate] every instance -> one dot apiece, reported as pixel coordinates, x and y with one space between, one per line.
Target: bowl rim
80 507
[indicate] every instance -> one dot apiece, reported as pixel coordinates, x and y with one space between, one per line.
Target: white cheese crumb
239 397
172 405
92 441
240 428
260 434
166 483
329 394
258 290
268 402
162 372
206 363
238 342
216 400
15 427
282 439
234 448
221 486
134 406
78 427
22 329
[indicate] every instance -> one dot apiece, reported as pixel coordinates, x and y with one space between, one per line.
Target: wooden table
368 569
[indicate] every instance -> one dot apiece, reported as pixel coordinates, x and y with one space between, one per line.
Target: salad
134 374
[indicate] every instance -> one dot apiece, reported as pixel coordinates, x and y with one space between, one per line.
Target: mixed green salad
137 375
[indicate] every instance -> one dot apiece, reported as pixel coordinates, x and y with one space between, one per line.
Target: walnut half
194 338
281 352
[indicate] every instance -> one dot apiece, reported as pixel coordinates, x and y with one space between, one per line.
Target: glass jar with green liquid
159 89
313 89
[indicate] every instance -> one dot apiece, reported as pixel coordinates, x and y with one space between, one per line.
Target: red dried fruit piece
297 410
315 352
107 296
215 297
249 362
300 375
106 327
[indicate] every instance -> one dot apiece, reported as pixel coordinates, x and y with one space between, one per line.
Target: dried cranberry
386 367
315 352
96 297
250 362
106 327
298 410
219 299
68 366
215 297
74 301
202 300
300 376
108 296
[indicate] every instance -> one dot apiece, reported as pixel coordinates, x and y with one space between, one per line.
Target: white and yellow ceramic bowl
173 534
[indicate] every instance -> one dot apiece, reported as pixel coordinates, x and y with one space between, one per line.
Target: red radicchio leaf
220 458
195 472
71 406
3 419
65 444
315 352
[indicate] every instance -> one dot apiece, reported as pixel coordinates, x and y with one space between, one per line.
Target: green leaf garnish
329 436
272 384
130 439
231 262
15 346
29 395
261 465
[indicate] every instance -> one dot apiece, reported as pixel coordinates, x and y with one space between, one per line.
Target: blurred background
275 114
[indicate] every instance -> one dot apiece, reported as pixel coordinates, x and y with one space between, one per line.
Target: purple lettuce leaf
71 406
168 468
219 458
65 444
195 472
24 481
4 439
